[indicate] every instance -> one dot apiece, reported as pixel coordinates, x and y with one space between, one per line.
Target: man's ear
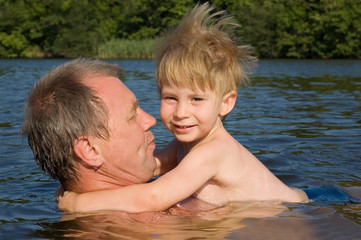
228 102
87 150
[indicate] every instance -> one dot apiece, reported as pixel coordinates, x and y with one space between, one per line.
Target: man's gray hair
61 109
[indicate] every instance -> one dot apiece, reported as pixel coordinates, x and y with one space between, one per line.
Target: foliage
127 49
275 28
300 28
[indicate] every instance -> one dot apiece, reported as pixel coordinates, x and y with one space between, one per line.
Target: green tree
148 18
13 16
275 28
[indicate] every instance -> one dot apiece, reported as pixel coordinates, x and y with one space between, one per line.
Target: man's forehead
113 92
101 81
112 89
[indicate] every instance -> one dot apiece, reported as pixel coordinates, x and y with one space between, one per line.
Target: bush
127 49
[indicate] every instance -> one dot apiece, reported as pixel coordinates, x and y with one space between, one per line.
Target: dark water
302 119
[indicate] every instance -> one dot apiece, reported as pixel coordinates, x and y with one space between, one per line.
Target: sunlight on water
301 118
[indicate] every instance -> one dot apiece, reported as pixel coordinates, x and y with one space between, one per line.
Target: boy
198 70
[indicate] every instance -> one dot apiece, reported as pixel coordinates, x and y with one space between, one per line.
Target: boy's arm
166 158
178 184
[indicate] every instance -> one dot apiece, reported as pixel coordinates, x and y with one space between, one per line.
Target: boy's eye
170 98
197 99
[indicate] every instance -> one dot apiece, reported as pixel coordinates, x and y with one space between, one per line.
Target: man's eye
132 117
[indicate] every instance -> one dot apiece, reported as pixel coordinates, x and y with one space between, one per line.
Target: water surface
301 118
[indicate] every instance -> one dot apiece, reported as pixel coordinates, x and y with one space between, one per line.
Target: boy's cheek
165 112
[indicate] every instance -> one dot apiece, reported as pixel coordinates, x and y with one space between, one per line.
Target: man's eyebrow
133 110
135 105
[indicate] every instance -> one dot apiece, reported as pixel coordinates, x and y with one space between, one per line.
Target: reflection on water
217 224
242 221
302 119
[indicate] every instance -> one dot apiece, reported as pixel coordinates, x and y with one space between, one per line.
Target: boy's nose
181 110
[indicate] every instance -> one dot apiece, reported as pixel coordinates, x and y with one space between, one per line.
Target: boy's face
189 115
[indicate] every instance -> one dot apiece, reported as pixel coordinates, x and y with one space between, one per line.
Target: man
86 130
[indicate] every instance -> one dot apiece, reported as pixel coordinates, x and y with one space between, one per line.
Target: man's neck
89 181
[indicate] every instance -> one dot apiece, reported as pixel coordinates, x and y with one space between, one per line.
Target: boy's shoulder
223 142
219 147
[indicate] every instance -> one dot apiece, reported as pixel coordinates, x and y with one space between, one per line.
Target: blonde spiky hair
203 52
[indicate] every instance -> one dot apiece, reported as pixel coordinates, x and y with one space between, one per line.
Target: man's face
128 154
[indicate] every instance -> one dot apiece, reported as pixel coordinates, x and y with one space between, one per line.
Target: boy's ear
87 150
228 102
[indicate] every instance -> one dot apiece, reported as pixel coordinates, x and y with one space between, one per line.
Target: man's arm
178 184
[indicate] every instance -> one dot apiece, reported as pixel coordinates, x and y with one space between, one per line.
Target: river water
301 118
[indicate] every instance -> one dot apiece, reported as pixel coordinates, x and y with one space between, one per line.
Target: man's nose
147 120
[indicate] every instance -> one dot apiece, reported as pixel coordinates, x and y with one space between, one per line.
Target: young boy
199 68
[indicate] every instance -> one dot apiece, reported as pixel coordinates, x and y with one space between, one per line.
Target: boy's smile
183 128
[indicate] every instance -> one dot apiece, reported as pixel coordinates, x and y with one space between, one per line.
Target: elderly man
86 129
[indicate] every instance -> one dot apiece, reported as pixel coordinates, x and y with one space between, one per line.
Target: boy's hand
65 199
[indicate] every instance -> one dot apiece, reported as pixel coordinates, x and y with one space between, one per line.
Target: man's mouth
151 142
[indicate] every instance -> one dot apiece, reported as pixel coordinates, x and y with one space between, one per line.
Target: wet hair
61 109
202 52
